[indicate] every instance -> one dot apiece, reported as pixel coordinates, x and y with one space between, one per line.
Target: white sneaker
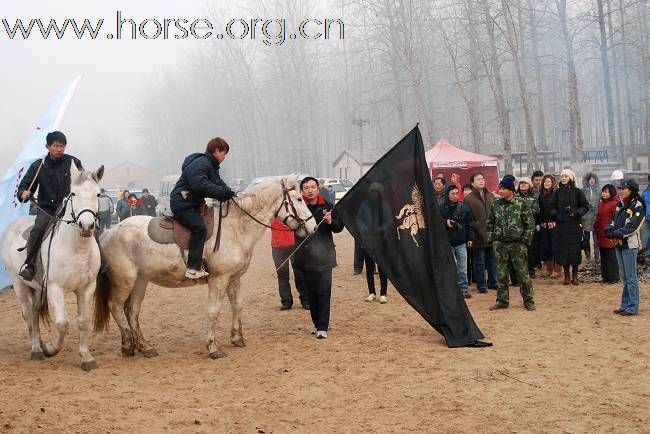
321 334
313 332
371 297
383 299
195 274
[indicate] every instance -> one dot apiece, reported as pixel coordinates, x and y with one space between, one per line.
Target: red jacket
604 217
281 238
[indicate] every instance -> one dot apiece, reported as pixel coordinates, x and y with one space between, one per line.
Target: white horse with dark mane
133 260
69 262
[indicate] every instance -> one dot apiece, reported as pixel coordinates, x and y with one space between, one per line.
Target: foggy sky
99 122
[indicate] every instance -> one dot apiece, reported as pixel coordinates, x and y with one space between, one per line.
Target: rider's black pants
194 222
36 237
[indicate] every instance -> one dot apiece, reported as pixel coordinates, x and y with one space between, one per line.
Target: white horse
70 260
133 260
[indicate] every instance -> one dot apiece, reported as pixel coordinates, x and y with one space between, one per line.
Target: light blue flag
34 149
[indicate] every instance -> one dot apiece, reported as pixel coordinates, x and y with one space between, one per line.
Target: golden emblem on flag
411 216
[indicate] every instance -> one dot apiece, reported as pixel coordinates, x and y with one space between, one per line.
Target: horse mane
256 196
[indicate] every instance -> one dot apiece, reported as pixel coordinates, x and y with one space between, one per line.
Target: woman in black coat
547 242
569 205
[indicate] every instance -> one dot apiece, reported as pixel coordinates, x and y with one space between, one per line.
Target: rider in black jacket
51 176
199 179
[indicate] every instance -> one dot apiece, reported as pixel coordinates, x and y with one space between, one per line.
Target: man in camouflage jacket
510 227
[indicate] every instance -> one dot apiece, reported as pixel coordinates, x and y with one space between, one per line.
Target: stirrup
196 274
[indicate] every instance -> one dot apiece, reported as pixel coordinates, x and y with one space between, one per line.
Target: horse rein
58 215
291 213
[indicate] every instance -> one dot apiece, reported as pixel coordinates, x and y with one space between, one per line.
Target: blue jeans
645 238
626 259
484 258
460 253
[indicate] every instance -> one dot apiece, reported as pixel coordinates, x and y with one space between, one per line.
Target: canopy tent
457 165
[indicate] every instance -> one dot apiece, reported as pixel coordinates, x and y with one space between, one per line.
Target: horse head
293 211
83 203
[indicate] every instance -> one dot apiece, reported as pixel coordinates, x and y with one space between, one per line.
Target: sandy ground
570 366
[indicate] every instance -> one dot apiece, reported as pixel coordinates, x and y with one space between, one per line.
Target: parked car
340 186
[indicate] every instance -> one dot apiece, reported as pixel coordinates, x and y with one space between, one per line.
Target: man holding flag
51 176
413 250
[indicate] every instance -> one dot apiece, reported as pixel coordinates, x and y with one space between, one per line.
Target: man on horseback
51 176
199 179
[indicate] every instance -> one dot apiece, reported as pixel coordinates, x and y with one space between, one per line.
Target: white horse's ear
74 172
99 173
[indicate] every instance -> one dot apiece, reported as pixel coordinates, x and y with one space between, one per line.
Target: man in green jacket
510 227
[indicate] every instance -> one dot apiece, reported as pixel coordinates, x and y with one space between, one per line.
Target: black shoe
285 307
355 272
482 291
27 272
305 306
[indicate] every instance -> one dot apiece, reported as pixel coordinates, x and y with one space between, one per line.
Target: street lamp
360 122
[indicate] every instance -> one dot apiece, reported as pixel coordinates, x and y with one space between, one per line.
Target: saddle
168 230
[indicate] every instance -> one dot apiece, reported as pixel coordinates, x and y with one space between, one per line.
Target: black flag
391 210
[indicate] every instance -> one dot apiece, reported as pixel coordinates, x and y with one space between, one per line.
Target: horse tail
102 295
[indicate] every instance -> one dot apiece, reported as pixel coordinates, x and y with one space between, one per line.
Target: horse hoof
150 353
38 356
128 352
88 366
239 343
217 355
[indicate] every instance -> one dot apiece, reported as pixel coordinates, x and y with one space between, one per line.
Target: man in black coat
199 179
317 256
51 176
149 203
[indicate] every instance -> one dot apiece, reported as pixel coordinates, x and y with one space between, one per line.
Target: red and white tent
457 165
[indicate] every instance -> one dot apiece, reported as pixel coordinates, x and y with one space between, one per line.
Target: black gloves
229 194
609 232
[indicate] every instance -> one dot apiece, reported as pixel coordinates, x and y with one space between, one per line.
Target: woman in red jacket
604 216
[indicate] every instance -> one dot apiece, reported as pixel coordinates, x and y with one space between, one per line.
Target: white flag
34 149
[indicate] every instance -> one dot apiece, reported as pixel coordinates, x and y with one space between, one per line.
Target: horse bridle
289 207
288 203
75 218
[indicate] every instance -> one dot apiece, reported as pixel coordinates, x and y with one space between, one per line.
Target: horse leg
56 299
216 292
116 305
23 293
236 302
84 299
132 311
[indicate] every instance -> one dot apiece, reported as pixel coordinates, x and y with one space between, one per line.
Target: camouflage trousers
515 256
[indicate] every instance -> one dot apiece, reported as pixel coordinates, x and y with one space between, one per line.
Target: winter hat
631 184
570 173
525 179
508 182
617 175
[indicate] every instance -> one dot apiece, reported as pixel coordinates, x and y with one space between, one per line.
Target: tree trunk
531 152
576 140
617 87
604 60
496 83
541 117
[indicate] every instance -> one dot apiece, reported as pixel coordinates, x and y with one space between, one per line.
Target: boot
566 276
549 269
574 275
